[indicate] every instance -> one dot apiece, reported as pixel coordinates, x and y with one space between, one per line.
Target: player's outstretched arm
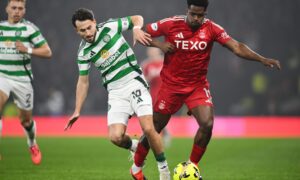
43 51
138 34
81 93
245 52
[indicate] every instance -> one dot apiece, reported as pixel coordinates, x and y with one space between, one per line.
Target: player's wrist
29 50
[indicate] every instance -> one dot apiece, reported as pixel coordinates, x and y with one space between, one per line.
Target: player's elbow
48 53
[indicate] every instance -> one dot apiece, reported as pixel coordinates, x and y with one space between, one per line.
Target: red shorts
170 99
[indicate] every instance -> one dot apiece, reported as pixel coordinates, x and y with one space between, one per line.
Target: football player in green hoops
19 40
104 46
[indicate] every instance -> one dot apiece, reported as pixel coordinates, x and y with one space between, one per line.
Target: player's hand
272 63
141 36
72 120
167 47
20 47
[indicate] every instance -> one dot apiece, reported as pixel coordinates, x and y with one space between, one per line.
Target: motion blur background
238 87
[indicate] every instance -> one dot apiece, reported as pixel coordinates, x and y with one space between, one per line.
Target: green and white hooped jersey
110 53
11 61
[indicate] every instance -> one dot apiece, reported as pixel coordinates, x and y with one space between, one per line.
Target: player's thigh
200 96
204 115
140 99
168 101
5 89
23 96
160 120
3 100
119 107
146 123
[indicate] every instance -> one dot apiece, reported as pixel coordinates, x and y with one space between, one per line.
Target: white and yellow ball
186 171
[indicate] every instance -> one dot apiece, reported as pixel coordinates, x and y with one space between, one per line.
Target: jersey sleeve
36 37
220 35
120 24
159 28
84 64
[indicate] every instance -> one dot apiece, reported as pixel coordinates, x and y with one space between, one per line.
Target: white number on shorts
207 92
28 102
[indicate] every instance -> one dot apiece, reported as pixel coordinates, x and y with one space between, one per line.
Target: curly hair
202 3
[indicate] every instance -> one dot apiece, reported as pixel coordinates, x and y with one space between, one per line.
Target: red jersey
188 65
151 69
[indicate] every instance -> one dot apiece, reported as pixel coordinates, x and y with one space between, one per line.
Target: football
186 171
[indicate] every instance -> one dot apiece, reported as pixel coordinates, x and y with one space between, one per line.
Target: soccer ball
186 171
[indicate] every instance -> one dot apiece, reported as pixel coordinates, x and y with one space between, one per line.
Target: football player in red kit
188 43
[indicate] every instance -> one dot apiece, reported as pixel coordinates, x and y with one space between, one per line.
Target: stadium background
238 87
250 100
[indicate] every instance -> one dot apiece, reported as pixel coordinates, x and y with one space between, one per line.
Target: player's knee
158 127
26 122
116 139
148 131
207 125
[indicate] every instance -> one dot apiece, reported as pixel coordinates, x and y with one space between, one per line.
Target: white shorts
22 92
134 97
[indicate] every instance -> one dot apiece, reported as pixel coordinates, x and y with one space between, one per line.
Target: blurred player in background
151 67
19 40
188 43
104 46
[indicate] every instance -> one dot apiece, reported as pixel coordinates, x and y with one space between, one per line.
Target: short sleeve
36 37
120 24
159 28
220 35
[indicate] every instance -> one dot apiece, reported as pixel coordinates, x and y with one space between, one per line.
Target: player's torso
189 63
11 61
111 55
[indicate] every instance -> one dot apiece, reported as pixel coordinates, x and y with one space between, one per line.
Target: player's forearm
43 51
81 92
245 52
137 21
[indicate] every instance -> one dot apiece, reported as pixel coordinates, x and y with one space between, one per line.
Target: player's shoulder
173 19
30 25
212 24
82 46
110 21
3 22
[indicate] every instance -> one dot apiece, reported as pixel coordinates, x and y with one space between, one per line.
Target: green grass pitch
98 159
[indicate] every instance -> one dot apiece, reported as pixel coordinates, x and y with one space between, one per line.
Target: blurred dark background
238 87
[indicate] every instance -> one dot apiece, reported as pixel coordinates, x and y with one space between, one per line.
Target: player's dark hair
201 3
82 14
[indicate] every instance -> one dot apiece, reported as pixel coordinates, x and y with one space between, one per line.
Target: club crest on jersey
162 105
106 38
104 54
18 33
154 26
202 35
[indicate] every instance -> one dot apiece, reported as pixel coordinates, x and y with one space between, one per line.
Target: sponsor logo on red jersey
190 45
